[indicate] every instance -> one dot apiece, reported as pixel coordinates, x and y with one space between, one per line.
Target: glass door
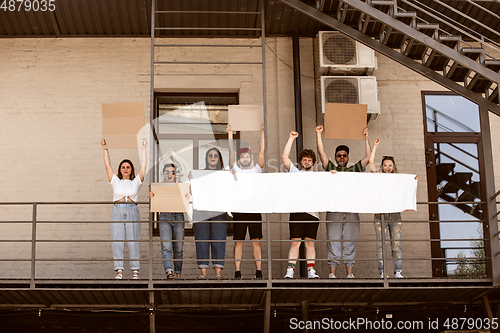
454 168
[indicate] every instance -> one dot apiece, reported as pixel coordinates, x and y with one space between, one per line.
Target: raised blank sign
245 117
122 123
345 121
170 198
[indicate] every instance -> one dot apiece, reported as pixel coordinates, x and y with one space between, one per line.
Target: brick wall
52 91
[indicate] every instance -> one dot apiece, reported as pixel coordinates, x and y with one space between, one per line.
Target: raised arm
285 156
230 144
368 150
107 161
262 149
144 160
321 150
372 156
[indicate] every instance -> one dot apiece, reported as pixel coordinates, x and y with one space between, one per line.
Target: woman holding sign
171 227
210 227
126 187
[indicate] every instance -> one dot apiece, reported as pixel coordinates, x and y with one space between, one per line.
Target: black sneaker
237 275
258 275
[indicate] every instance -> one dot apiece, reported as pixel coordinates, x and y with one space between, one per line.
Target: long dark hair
172 165
220 163
132 173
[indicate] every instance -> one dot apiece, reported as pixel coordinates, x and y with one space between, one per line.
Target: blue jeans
215 231
122 231
393 228
347 229
169 231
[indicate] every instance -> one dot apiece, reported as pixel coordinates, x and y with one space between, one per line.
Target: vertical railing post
151 113
150 252
267 311
264 106
152 311
305 314
33 247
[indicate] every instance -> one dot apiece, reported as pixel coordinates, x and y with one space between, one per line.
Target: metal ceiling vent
350 90
339 54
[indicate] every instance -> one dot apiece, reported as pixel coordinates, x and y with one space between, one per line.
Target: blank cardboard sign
246 117
121 124
169 198
345 121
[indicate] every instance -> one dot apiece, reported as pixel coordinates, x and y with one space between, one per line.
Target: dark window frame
449 137
195 137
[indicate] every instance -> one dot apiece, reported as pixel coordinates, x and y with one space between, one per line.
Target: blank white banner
304 192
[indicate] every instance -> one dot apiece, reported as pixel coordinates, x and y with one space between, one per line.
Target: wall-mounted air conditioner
339 54
350 90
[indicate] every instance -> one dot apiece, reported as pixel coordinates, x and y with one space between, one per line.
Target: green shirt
358 167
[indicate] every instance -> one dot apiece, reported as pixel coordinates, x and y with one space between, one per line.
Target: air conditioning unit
339 54
350 90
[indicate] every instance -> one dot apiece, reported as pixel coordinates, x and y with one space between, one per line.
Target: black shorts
254 229
302 230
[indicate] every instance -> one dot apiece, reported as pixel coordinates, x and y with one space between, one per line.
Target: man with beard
301 230
342 225
244 165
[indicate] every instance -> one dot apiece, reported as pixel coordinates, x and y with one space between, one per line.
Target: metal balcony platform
102 294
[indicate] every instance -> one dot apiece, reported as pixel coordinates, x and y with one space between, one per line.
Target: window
186 126
454 167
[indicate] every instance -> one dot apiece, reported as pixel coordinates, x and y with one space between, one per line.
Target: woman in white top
393 225
126 187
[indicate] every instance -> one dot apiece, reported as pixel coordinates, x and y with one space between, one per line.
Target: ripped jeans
393 233
171 229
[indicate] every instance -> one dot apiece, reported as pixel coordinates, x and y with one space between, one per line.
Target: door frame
450 137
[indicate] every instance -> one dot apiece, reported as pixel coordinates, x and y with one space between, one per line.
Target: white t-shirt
124 188
256 169
293 168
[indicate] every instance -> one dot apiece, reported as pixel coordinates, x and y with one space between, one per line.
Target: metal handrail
449 118
479 40
458 161
34 240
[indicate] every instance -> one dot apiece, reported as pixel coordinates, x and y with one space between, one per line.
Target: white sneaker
350 276
331 276
289 273
398 275
311 274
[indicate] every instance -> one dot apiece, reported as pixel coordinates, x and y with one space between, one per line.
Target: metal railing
267 263
420 7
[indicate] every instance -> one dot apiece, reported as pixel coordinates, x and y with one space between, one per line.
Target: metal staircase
463 67
458 187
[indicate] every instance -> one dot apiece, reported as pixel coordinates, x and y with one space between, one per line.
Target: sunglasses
213 155
387 158
169 172
341 155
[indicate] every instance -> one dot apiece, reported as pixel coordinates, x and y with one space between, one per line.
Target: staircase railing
457 25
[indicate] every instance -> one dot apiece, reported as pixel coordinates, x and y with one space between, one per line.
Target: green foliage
472 268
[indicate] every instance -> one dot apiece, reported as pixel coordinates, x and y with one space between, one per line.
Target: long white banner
304 192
